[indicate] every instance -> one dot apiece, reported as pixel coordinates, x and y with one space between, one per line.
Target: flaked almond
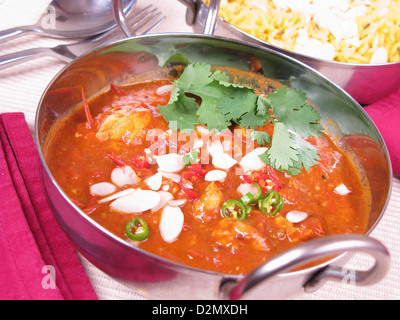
296 216
154 182
171 223
342 190
102 189
223 161
252 161
125 175
117 195
165 197
171 162
136 202
164 89
215 175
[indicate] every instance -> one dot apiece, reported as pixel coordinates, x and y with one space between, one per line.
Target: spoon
71 19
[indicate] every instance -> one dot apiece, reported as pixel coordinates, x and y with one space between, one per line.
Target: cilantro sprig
224 104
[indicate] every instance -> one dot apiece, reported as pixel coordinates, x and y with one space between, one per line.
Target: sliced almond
117 195
164 89
296 216
102 189
165 197
171 162
154 182
138 201
342 190
252 161
173 176
171 223
223 161
177 202
125 175
215 175
215 148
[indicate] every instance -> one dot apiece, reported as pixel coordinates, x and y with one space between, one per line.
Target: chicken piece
209 204
234 233
279 227
126 125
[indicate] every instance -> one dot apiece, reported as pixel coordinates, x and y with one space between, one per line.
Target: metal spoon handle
16 32
11 59
212 15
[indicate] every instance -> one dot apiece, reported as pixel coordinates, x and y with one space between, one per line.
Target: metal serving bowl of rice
355 43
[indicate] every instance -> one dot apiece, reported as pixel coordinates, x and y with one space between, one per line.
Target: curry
202 197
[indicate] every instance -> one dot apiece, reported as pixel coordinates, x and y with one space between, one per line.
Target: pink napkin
386 116
37 260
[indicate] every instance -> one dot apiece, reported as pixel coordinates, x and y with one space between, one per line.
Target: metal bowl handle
120 18
211 21
212 14
309 252
209 26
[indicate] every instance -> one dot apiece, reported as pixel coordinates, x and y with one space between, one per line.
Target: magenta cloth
386 116
33 248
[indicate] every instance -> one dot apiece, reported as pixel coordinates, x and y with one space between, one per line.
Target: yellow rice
378 27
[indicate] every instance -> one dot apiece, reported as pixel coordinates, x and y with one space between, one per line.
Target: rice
355 31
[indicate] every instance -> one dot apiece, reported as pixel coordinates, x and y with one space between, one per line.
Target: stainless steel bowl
156 277
367 83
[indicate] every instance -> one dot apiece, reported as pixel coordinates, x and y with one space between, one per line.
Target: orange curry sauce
79 157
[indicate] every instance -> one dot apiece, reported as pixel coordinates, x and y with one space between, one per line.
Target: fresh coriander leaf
290 107
208 112
282 154
285 97
304 121
175 92
264 105
209 116
211 91
308 154
293 171
261 137
252 120
224 103
198 74
177 57
230 84
238 102
221 77
190 157
181 114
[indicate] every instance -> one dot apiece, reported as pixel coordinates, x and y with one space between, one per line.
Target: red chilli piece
117 160
197 169
117 90
274 177
187 175
89 119
261 177
140 160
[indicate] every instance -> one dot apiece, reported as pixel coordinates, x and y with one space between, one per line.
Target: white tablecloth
20 90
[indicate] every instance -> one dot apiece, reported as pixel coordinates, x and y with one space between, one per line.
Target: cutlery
71 19
143 22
